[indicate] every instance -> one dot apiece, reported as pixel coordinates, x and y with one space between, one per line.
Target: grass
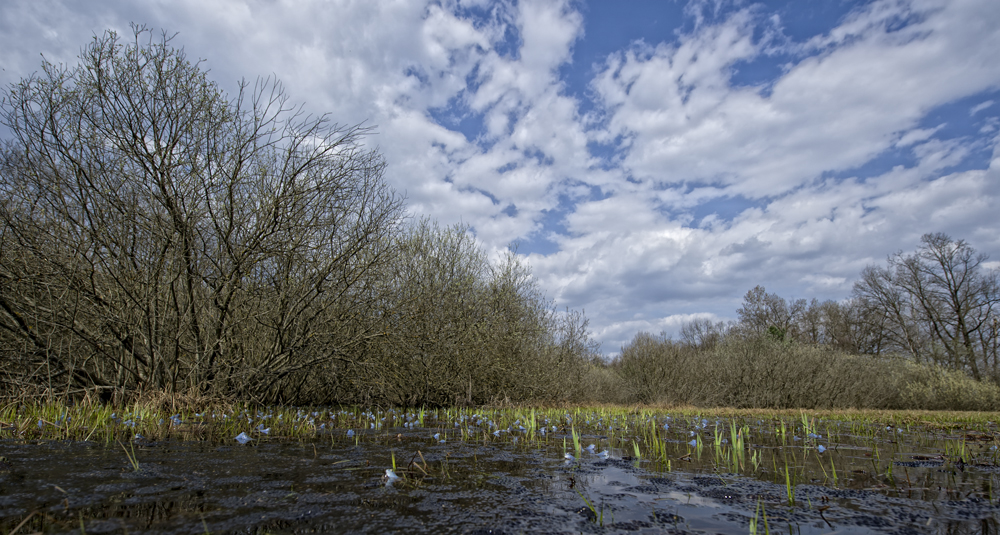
850 449
754 526
132 459
782 446
597 516
92 421
789 488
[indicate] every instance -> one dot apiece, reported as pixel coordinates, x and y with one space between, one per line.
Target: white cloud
640 251
980 107
669 325
836 110
687 126
916 135
812 243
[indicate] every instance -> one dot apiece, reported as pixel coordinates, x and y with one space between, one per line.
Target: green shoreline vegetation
101 422
786 447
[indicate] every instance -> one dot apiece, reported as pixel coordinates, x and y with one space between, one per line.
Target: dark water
338 485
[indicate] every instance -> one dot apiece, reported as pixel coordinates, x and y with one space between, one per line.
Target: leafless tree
850 326
938 304
157 234
769 314
703 333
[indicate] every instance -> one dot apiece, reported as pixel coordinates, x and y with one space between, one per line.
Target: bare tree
887 308
810 326
703 333
938 304
160 235
851 327
769 314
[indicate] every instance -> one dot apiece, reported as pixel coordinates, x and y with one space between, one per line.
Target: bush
157 236
659 370
933 387
761 372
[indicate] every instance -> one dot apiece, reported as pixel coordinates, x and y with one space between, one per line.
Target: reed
657 439
132 459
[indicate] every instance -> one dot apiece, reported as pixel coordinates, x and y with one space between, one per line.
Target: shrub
933 387
762 372
158 236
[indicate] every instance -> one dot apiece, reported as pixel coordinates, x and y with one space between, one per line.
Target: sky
652 161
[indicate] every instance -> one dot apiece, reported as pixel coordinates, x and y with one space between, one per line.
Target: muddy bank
453 487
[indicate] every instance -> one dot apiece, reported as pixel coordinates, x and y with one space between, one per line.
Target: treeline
937 305
921 332
760 372
160 237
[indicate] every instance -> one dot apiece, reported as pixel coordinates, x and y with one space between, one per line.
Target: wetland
256 253
603 470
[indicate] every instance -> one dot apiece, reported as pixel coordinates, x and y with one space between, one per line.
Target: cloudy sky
652 159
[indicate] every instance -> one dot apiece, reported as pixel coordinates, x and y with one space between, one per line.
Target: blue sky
652 160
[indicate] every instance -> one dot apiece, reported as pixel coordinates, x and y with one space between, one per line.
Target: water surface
844 478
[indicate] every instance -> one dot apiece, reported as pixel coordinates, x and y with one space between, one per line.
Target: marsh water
700 477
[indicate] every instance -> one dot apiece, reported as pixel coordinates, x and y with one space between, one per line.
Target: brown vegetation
761 372
161 240
158 236
919 334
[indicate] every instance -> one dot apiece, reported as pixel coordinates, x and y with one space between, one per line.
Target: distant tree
850 327
811 327
703 333
764 314
937 304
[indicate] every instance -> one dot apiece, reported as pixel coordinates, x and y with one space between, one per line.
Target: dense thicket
763 372
920 333
458 329
159 236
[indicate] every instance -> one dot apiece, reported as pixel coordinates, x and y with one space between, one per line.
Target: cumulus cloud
689 136
390 65
685 122
682 186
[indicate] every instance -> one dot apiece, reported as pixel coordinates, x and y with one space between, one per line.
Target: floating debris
390 476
